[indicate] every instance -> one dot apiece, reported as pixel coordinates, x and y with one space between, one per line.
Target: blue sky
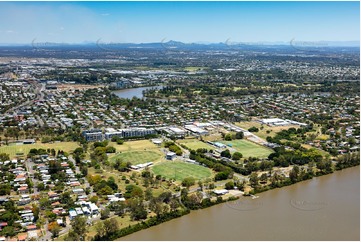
76 22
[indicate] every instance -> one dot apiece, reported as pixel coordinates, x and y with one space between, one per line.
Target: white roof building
221 191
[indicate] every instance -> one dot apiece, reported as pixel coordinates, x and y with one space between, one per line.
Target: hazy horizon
323 43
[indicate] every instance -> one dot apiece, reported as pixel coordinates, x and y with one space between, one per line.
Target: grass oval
179 170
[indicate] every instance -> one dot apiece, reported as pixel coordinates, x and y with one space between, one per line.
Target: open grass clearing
212 137
137 157
323 152
123 222
195 144
193 68
136 152
117 175
179 170
248 148
14 149
134 145
266 131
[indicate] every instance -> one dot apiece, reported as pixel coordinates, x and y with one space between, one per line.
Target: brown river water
324 208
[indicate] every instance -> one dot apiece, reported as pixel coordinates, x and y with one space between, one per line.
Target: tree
133 191
110 149
44 203
79 227
137 209
325 166
105 190
239 135
94 179
294 174
226 153
112 184
122 165
229 185
78 151
104 214
65 198
72 236
5 189
253 179
94 199
54 230
139 213
194 200
211 186
4 157
188 181
100 228
237 156
223 175
111 226
36 210
174 204
84 170
40 186
148 194
263 178
253 129
266 165
156 206
184 193
200 184
8 231
165 197
118 207
228 137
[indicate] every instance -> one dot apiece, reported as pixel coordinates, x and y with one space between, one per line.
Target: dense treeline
159 219
227 89
348 160
173 147
143 225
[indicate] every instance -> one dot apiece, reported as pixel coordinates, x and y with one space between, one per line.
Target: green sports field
179 170
135 145
195 144
137 157
248 148
13 149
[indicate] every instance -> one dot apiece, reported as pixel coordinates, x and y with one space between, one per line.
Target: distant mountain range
200 45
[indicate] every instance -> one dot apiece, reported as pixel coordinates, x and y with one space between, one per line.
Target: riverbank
308 201
323 208
156 220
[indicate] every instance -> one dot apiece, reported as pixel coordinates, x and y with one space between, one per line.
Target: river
133 92
324 208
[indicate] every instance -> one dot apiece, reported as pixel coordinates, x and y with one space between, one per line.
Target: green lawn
13 149
135 145
193 68
180 170
137 157
195 144
248 148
